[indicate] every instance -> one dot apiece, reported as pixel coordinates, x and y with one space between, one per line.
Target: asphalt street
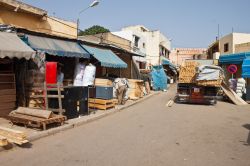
148 134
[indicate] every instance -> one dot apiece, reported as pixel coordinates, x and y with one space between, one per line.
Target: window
136 41
226 47
144 45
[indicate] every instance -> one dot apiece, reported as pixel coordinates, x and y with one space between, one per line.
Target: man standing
121 86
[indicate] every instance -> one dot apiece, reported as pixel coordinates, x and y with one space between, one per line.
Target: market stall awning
234 58
12 46
171 65
106 57
57 47
246 68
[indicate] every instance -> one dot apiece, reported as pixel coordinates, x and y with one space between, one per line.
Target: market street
148 133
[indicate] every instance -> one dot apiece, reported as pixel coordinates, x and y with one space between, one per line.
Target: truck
192 93
199 83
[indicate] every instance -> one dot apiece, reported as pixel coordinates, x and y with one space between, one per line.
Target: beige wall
233 39
48 25
245 47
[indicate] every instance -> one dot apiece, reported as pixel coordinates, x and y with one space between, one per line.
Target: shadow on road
247 126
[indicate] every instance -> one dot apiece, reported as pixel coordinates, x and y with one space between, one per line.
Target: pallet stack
101 104
188 72
34 87
135 90
7 94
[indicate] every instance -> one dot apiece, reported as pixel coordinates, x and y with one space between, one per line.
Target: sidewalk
35 134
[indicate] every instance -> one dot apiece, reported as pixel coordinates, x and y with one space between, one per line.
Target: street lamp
93 4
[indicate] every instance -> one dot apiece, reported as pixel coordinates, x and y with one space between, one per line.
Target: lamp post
93 4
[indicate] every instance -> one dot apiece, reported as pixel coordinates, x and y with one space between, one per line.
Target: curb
65 127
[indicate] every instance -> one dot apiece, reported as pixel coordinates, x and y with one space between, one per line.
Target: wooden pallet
101 104
32 121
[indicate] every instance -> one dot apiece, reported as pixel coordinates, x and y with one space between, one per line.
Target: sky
188 23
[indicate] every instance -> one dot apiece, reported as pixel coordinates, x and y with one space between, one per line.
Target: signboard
232 69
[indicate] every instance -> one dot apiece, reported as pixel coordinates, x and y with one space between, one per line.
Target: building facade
153 44
180 55
24 16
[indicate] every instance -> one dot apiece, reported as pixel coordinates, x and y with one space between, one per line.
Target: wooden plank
3 141
7 92
14 136
34 112
101 106
100 101
8 105
7 98
232 95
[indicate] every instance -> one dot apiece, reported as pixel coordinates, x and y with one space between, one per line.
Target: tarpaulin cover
57 47
209 72
159 78
12 46
246 68
106 57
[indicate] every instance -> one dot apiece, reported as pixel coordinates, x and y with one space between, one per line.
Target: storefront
242 61
14 54
170 70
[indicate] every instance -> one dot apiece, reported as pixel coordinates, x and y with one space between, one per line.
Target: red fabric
51 72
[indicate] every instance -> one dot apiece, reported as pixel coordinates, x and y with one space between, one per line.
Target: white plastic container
89 75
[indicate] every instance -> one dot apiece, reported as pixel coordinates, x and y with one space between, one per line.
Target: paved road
148 134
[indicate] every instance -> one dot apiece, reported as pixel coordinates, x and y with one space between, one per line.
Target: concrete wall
245 47
233 39
48 25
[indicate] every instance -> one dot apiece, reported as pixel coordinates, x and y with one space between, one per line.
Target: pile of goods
13 136
203 75
135 90
241 87
188 72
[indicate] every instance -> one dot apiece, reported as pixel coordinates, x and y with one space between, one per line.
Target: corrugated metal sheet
57 47
106 57
12 46
246 68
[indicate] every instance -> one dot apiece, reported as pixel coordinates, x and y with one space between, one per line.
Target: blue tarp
57 47
234 58
246 68
106 57
159 78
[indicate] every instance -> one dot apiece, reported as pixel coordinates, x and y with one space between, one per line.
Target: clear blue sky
189 23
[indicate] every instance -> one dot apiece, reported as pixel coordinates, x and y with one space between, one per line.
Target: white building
227 44
153 44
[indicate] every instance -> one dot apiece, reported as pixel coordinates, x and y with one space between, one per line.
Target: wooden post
59 98
46 97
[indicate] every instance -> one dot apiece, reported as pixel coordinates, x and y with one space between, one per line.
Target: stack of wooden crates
101 103
135 90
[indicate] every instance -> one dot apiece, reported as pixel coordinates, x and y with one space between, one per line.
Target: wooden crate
188 72
103 82
101 104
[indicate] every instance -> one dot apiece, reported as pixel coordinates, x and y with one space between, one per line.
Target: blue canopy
234 58
106 57
171 65
246 68
57 47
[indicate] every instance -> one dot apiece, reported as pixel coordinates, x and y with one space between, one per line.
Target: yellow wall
245 47
46 24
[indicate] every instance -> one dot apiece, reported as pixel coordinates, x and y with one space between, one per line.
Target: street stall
56 63
170 70
237 67
13 52
104 91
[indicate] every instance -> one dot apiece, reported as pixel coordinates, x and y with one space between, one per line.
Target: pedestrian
121 86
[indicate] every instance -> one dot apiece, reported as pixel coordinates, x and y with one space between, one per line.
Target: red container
51 72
